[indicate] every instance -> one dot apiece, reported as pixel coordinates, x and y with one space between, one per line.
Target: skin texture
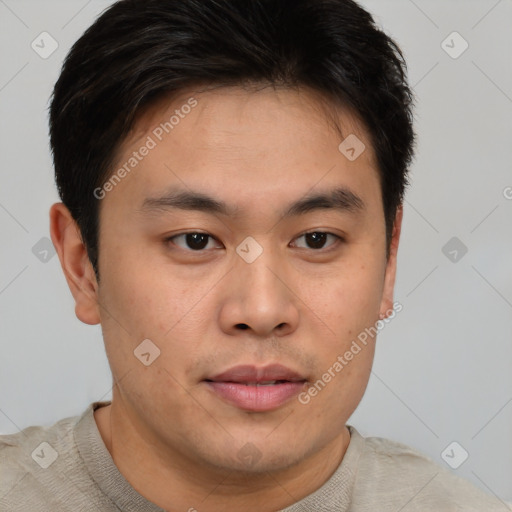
172 438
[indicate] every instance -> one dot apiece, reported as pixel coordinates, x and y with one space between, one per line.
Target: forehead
219 110
246 143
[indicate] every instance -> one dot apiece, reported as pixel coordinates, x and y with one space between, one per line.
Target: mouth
257 389
256 383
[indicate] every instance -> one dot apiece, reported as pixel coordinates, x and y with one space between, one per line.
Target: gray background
443 366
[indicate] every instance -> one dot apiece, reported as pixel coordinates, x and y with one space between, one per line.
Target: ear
386 305
75 264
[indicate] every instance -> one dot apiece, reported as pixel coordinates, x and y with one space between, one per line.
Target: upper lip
250 373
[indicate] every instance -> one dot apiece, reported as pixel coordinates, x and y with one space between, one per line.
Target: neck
178 484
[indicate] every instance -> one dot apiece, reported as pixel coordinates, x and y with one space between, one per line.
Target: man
232 176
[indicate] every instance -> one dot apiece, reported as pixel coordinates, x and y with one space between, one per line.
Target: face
251 252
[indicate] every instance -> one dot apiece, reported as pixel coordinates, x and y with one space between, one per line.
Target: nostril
242 326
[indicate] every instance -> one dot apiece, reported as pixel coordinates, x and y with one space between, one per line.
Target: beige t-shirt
67 467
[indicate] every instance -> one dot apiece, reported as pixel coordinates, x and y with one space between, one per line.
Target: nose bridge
257 273
259 299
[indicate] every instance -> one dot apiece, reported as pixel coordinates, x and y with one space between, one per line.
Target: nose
259 298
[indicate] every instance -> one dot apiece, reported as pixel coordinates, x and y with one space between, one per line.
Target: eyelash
338 240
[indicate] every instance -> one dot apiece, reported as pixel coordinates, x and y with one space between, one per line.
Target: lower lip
256 398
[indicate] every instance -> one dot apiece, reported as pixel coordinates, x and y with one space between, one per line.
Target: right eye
191 241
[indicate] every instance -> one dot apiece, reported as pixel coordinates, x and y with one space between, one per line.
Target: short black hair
138 51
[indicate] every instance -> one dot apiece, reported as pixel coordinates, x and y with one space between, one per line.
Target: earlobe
75 263
389 280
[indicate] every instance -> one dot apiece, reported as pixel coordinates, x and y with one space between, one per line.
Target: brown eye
316 239
192 241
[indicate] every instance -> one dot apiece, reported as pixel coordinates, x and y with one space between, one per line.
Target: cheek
351 297
144 297
143 300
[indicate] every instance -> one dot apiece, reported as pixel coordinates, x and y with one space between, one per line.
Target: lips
257 389
246 374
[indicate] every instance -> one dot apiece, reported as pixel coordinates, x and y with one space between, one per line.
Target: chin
258 455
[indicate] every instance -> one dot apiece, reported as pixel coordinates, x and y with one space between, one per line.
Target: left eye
317 239
192 241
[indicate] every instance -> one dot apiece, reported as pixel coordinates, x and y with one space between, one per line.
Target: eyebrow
340 199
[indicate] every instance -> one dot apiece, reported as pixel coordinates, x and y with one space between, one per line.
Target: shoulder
396 475
31 458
